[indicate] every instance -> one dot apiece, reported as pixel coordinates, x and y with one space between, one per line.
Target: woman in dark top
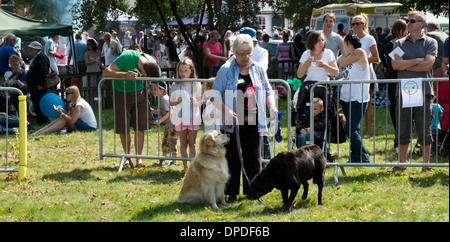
398 32
299 46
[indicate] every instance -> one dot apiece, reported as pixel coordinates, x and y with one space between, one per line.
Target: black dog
289 170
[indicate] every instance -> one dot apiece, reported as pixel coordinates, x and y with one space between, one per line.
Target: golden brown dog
206 177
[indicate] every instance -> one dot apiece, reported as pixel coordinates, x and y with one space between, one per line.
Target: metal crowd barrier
22 135
373 162
116 153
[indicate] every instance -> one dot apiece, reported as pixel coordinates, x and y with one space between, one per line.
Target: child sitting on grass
169 144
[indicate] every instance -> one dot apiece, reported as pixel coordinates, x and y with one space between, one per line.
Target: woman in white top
80 117
317 62
360 24
355 97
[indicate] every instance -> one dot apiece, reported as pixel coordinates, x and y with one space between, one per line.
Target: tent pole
74 55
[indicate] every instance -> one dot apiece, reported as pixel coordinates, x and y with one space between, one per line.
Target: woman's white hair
243 42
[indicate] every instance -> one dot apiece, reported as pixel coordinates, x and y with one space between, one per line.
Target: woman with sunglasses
79 118
360 24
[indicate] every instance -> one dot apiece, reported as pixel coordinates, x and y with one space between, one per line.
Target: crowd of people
239 64
322 54
32 82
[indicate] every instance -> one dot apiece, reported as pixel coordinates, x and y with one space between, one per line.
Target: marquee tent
20 26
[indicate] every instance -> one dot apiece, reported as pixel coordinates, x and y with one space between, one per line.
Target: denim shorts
82 126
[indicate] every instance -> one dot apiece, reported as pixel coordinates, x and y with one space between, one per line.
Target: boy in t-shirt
169 144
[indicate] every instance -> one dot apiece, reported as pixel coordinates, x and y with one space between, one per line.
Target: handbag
51 79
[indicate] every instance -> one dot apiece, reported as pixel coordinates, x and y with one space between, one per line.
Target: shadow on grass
159 176
74 175
168 208
415 176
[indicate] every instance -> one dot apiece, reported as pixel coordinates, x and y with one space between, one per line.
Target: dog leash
239 148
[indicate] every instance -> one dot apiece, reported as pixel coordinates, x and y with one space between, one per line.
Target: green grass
66 181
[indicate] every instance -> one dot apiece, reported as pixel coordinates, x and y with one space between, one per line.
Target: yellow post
22 137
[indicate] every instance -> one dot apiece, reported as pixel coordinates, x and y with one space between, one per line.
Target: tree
221 16
90 13
437 7
46 10
171 7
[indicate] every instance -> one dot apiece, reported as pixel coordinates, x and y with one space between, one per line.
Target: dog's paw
214 206
287 209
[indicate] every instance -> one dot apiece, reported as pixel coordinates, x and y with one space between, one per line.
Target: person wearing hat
260 54
169 143
39 67
131 97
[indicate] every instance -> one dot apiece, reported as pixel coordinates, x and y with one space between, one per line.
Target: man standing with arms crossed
417 62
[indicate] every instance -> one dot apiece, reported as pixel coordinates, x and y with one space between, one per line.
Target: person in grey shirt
434 31
420 54
334 41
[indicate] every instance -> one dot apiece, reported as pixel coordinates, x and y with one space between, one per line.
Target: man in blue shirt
6 52
80 50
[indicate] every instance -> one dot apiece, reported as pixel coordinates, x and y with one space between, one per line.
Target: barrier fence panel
393 159
148 142
8 125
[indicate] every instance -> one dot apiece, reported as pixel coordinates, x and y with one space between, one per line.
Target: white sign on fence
412 95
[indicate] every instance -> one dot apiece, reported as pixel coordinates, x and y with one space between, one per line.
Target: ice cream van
380 15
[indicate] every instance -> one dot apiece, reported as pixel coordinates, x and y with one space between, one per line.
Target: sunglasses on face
412 21
358 23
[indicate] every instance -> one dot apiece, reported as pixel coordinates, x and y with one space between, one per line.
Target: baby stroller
333 125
